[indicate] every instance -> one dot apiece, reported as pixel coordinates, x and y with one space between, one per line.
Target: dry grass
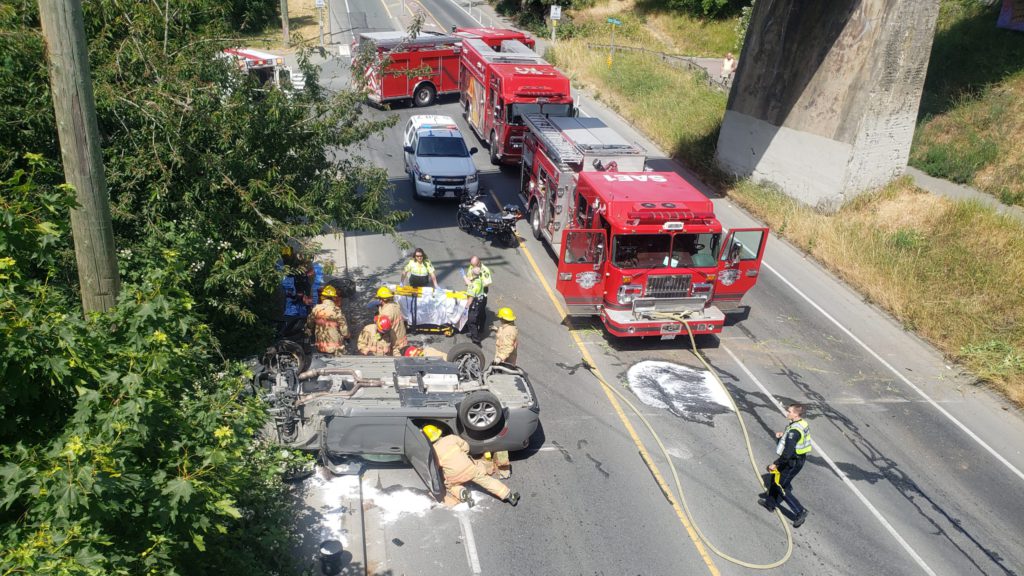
647 24
950 271
303 27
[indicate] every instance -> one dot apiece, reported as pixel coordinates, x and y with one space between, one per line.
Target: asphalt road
915 471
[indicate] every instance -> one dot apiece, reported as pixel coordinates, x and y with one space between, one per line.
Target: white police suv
437 160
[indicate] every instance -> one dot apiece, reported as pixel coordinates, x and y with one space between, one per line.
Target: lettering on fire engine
531 70
634 178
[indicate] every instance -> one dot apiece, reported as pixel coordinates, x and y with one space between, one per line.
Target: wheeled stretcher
429 310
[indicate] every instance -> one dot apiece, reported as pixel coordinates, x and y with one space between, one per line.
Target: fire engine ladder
562 150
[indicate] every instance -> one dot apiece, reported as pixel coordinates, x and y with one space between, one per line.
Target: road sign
612 21
556 12
319 3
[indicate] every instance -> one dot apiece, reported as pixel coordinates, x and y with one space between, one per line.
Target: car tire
480 411
493 145
288 354
469 358
535 221
415 192
424 95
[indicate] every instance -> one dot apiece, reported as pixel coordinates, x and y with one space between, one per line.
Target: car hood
446 165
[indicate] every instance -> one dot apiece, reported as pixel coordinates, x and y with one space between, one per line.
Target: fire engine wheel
424 95
493 145
535 221
480 411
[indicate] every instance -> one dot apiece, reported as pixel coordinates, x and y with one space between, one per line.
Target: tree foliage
126 444
199 158
126 439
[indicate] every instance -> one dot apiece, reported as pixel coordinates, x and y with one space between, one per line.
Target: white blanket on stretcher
434 307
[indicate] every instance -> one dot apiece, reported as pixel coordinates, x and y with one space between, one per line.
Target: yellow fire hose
675 474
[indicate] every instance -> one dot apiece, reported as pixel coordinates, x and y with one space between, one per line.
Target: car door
420 454
738 265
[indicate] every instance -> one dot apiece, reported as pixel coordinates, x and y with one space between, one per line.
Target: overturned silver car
343 406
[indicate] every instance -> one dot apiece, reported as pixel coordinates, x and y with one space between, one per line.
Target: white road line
469 541
846 480
348 10
903 378
468 13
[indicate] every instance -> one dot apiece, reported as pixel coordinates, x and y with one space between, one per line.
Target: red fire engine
639 249
433 58
501 84
667 256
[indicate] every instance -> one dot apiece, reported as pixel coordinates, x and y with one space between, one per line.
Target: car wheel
480 411
469 359
493 145
535 221
424 95
285 355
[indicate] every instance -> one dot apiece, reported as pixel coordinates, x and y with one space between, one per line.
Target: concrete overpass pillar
825 98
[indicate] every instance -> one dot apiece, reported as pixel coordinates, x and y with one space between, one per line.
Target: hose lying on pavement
675 474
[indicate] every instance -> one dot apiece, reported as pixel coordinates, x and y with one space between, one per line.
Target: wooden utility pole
75 110
284 21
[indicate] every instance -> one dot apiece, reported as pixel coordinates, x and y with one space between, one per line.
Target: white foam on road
683 390
335 494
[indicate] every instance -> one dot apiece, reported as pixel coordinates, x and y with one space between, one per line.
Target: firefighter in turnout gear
377 339
507 345
794 443
391 309
327 324
453 457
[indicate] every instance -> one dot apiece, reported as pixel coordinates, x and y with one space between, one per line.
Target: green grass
673 106
972 110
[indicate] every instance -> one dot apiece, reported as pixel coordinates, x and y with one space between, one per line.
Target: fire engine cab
419 68
266 68
500 85
644 251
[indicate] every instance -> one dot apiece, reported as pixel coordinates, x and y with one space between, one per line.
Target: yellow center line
697 543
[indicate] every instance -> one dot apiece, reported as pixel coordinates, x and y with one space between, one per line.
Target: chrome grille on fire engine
671 286
446 181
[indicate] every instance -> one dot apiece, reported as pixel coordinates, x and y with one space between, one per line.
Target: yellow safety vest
803 446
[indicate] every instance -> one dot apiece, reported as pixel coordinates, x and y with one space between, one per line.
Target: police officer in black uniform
793 446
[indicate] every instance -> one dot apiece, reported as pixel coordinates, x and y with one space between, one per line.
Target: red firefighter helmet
383 323
412 351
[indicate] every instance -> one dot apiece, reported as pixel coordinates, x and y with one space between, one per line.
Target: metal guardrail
678 60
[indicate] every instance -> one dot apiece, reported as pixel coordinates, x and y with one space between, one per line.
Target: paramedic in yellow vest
453 457
507 345
388 307
377 339
419 272
327 324
478 279
794 443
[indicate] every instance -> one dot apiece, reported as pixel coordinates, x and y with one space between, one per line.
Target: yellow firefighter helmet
384 292
432 432
507 314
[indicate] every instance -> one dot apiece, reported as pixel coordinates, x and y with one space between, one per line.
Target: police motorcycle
474 217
